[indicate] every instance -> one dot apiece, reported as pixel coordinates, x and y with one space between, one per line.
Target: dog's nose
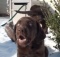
24 30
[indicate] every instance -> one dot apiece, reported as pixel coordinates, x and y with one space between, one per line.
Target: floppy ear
40 33
40 36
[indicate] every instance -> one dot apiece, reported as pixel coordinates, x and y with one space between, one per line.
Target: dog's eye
30 24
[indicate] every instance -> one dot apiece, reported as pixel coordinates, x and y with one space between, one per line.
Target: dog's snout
24 30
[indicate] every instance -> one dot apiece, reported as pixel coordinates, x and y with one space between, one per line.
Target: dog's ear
40 36
40 33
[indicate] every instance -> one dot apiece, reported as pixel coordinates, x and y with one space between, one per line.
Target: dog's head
26 30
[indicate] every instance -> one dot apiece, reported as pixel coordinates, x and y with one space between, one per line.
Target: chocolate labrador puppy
29 38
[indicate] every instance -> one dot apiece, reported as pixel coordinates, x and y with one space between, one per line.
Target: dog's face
27 30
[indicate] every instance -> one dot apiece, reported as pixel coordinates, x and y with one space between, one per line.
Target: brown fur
29 38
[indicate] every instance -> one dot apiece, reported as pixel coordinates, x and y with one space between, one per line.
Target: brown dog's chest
28 52
31 54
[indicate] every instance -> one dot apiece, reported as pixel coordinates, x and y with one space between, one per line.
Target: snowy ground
3 19
8 48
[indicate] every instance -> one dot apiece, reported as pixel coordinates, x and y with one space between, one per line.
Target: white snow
9 49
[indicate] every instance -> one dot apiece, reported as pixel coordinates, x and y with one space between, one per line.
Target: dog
29 38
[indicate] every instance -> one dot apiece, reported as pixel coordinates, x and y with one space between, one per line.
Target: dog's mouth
23 42
21 37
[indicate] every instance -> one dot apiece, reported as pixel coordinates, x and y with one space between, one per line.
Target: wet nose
24 30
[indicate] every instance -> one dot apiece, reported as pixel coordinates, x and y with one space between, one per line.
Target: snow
9 49
3 20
